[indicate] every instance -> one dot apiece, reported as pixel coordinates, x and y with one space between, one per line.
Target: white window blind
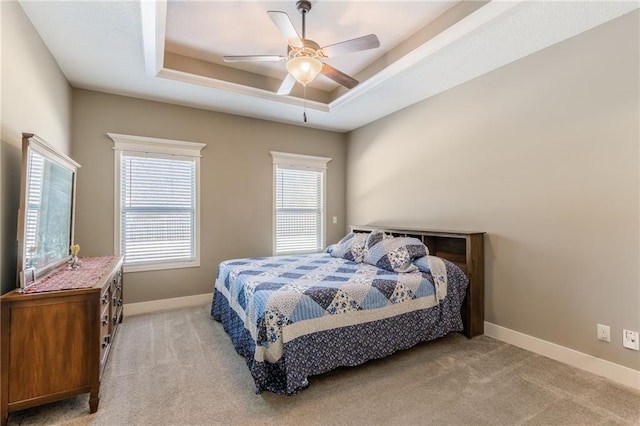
299 211
299 204
157 209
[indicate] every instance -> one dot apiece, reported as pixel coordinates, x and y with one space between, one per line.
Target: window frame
155 147
299 162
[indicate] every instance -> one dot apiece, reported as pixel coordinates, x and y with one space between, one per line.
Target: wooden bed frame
466 250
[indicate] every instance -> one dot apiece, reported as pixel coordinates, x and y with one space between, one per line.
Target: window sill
159 266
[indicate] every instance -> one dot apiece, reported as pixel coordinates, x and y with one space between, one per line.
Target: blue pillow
351 247
395 254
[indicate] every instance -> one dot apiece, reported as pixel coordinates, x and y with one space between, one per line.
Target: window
299 203
157 202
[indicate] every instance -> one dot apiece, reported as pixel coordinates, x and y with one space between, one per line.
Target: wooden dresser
55 344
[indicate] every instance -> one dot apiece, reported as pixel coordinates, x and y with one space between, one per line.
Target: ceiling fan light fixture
304 68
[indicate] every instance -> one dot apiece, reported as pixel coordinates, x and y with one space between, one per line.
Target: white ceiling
171 51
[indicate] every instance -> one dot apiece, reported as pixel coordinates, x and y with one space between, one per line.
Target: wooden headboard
466 250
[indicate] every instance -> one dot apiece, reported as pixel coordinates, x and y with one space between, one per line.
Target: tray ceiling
172 50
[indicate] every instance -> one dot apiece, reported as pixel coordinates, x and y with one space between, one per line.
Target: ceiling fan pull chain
304 93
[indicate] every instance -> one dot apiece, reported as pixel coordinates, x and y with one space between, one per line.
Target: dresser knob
105 341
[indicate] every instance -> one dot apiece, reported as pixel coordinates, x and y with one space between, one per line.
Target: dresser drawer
106 309
116 299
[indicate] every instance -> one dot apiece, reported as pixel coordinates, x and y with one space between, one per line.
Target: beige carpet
179 367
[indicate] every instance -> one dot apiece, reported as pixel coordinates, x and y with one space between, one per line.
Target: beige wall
543 155
36 98
236 173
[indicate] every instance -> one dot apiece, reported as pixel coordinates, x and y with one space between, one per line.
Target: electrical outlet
604 333
630 340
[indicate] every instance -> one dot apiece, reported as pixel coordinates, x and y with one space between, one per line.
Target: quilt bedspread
281 298
274 304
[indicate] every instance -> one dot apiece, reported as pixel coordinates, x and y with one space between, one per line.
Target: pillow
394 254
375 237
422 263
351 247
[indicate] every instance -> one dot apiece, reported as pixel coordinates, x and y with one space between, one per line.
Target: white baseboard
616 372
165 304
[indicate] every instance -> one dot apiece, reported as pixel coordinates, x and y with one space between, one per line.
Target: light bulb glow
304 68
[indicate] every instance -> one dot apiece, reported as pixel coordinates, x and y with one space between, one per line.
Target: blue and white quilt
273 303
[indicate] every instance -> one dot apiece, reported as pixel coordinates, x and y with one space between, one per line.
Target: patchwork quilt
270 305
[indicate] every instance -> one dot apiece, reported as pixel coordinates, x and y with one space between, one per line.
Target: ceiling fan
304 56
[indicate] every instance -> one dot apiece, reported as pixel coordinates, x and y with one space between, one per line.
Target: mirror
45 222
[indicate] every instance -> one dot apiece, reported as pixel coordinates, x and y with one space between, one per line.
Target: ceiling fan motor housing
303 6
309 48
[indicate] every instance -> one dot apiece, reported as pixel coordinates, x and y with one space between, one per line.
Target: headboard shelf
466 250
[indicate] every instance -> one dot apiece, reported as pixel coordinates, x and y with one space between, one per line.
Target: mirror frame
31 142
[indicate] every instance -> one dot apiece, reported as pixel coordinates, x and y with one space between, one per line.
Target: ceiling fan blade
254 58
286 27
354 45
287 84
339 77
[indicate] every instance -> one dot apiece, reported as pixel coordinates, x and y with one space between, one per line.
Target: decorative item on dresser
57 334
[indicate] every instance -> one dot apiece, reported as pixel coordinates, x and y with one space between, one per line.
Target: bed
372 294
